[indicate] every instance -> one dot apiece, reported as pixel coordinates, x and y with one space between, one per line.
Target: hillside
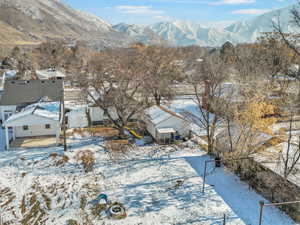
36 20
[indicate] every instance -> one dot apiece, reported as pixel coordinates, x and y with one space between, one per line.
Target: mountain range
28 22
182 33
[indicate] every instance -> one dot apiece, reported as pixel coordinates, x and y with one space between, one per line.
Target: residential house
165 125
18 95
40 119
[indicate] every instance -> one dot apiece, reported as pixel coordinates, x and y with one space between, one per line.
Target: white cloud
232 2
144 10
250 11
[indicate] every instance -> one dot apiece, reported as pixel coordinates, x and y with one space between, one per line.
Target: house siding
37 130
96 114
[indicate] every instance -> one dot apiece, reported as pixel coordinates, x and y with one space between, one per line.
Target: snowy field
35 186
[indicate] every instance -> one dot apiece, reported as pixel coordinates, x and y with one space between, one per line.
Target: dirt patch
34 142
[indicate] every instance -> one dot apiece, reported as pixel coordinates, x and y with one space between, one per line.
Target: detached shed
165 125
98 116
78 118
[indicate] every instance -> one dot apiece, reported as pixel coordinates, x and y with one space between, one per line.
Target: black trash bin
217 162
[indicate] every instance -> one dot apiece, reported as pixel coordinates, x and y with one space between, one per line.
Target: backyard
155 184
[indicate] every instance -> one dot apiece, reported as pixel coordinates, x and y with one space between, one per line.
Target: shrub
64 159
72 222
53 155
117 149
87 159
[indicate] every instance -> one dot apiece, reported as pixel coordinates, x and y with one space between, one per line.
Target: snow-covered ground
37 186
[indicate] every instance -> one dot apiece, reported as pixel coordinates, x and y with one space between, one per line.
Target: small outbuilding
78 118
165 125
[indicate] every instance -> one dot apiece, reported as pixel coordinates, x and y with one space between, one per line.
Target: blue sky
206 12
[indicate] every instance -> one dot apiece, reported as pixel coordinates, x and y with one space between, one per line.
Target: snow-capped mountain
183 33
140 33
50 19
250 30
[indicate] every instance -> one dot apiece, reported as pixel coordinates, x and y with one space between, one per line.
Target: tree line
240 90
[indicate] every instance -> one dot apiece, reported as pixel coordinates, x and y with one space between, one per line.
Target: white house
165 125
40 119
19 93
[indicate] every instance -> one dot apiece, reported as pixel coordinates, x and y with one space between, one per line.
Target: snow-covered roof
43 110
157 114
49 73
48 106
8 75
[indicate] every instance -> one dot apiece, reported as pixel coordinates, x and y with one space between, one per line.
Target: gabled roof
48 111
158 114
18 92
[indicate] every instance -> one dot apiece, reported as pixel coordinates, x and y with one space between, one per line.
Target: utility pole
261 204
64 118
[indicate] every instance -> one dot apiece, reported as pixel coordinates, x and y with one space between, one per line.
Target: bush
64 159
72 222
87 159
117 149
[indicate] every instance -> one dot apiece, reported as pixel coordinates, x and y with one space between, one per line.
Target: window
25 127
47 126
7 114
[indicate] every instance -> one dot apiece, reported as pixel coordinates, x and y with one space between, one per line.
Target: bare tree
209 75
290 39
114 82
50 54
291 154
162 68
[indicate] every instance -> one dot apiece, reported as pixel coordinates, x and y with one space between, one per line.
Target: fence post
261 203
224 219
204 177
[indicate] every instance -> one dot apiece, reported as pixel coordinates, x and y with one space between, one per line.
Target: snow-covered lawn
36 186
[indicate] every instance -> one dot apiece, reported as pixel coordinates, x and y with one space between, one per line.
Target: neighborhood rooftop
19 92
